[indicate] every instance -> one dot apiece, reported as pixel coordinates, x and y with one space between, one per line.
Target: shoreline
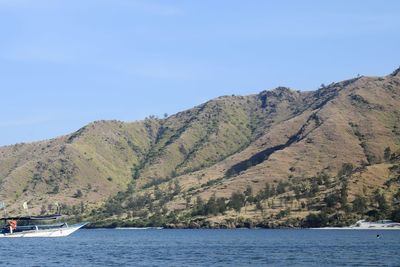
163 228
242 228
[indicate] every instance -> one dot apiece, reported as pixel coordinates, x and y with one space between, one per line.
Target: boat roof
39 217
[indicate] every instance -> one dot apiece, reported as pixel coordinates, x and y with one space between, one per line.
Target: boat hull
365 225
58 232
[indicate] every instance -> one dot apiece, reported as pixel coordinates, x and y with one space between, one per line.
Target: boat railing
50 226
23 228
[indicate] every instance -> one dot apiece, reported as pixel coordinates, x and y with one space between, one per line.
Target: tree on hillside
249 194
314 187
170 189
43 209
272 191
157 193
55 190
380 201
266 193
283 213
249 191
297 191
346 170
198 207
332 200
343 196
188 200
267 188
237 201
316 220
395 216
281 188
211 206
260 207
78 193
359 204
387 153
177 187
221 205
326 179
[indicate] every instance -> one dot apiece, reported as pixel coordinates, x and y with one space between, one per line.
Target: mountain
280 157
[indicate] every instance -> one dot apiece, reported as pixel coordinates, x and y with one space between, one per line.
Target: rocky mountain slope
278 155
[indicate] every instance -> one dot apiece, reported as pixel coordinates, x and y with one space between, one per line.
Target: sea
239 247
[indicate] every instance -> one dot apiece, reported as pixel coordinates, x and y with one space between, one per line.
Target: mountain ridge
226 145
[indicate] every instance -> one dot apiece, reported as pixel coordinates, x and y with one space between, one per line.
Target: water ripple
206 248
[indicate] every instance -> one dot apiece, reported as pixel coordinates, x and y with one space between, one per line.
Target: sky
65 63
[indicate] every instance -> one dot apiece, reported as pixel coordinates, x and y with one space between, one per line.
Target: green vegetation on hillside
280 158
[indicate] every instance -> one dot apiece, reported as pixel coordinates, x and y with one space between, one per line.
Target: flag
25 205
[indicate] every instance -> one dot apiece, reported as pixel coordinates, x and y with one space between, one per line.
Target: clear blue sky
66 63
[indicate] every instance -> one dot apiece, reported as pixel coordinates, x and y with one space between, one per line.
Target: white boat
381 225
365 225
38 230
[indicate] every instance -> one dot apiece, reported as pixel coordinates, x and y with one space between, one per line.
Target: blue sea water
206 248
